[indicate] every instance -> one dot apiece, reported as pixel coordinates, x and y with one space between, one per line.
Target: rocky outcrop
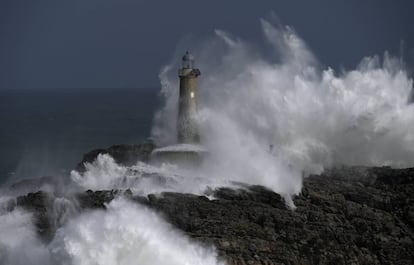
344 216
123 154
40 204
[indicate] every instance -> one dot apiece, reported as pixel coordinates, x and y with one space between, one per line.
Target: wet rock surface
123 154
344 216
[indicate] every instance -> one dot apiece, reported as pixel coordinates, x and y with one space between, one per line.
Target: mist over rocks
348 215
123 154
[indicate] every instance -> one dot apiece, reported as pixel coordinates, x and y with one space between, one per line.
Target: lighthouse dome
188 60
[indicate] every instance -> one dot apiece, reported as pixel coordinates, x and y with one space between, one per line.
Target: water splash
142 178
126 233
18 241
268 119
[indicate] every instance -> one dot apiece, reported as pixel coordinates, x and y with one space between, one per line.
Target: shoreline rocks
344 216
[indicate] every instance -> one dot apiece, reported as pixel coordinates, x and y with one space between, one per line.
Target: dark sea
46 132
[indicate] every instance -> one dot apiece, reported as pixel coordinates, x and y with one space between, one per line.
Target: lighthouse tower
187 106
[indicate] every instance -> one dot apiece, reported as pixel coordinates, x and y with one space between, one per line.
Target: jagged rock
340 218
123 154
40 204
96 199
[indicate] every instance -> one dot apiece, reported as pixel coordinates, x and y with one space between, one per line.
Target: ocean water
46 132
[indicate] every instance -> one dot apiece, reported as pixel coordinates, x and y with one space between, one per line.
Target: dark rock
96 199
339 218
123 154
40 204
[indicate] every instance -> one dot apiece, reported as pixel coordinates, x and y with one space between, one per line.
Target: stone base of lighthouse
183 155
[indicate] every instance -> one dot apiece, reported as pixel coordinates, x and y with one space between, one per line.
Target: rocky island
347 215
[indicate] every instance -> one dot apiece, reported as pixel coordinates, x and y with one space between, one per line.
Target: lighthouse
187 152
187 127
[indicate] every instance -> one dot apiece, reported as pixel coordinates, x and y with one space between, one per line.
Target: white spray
124 234
270 121
267 121
19 244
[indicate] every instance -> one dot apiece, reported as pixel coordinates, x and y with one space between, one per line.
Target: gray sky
123 43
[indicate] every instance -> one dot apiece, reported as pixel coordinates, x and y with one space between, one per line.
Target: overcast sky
124 43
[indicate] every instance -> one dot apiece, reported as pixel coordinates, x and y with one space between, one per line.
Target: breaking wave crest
125 233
